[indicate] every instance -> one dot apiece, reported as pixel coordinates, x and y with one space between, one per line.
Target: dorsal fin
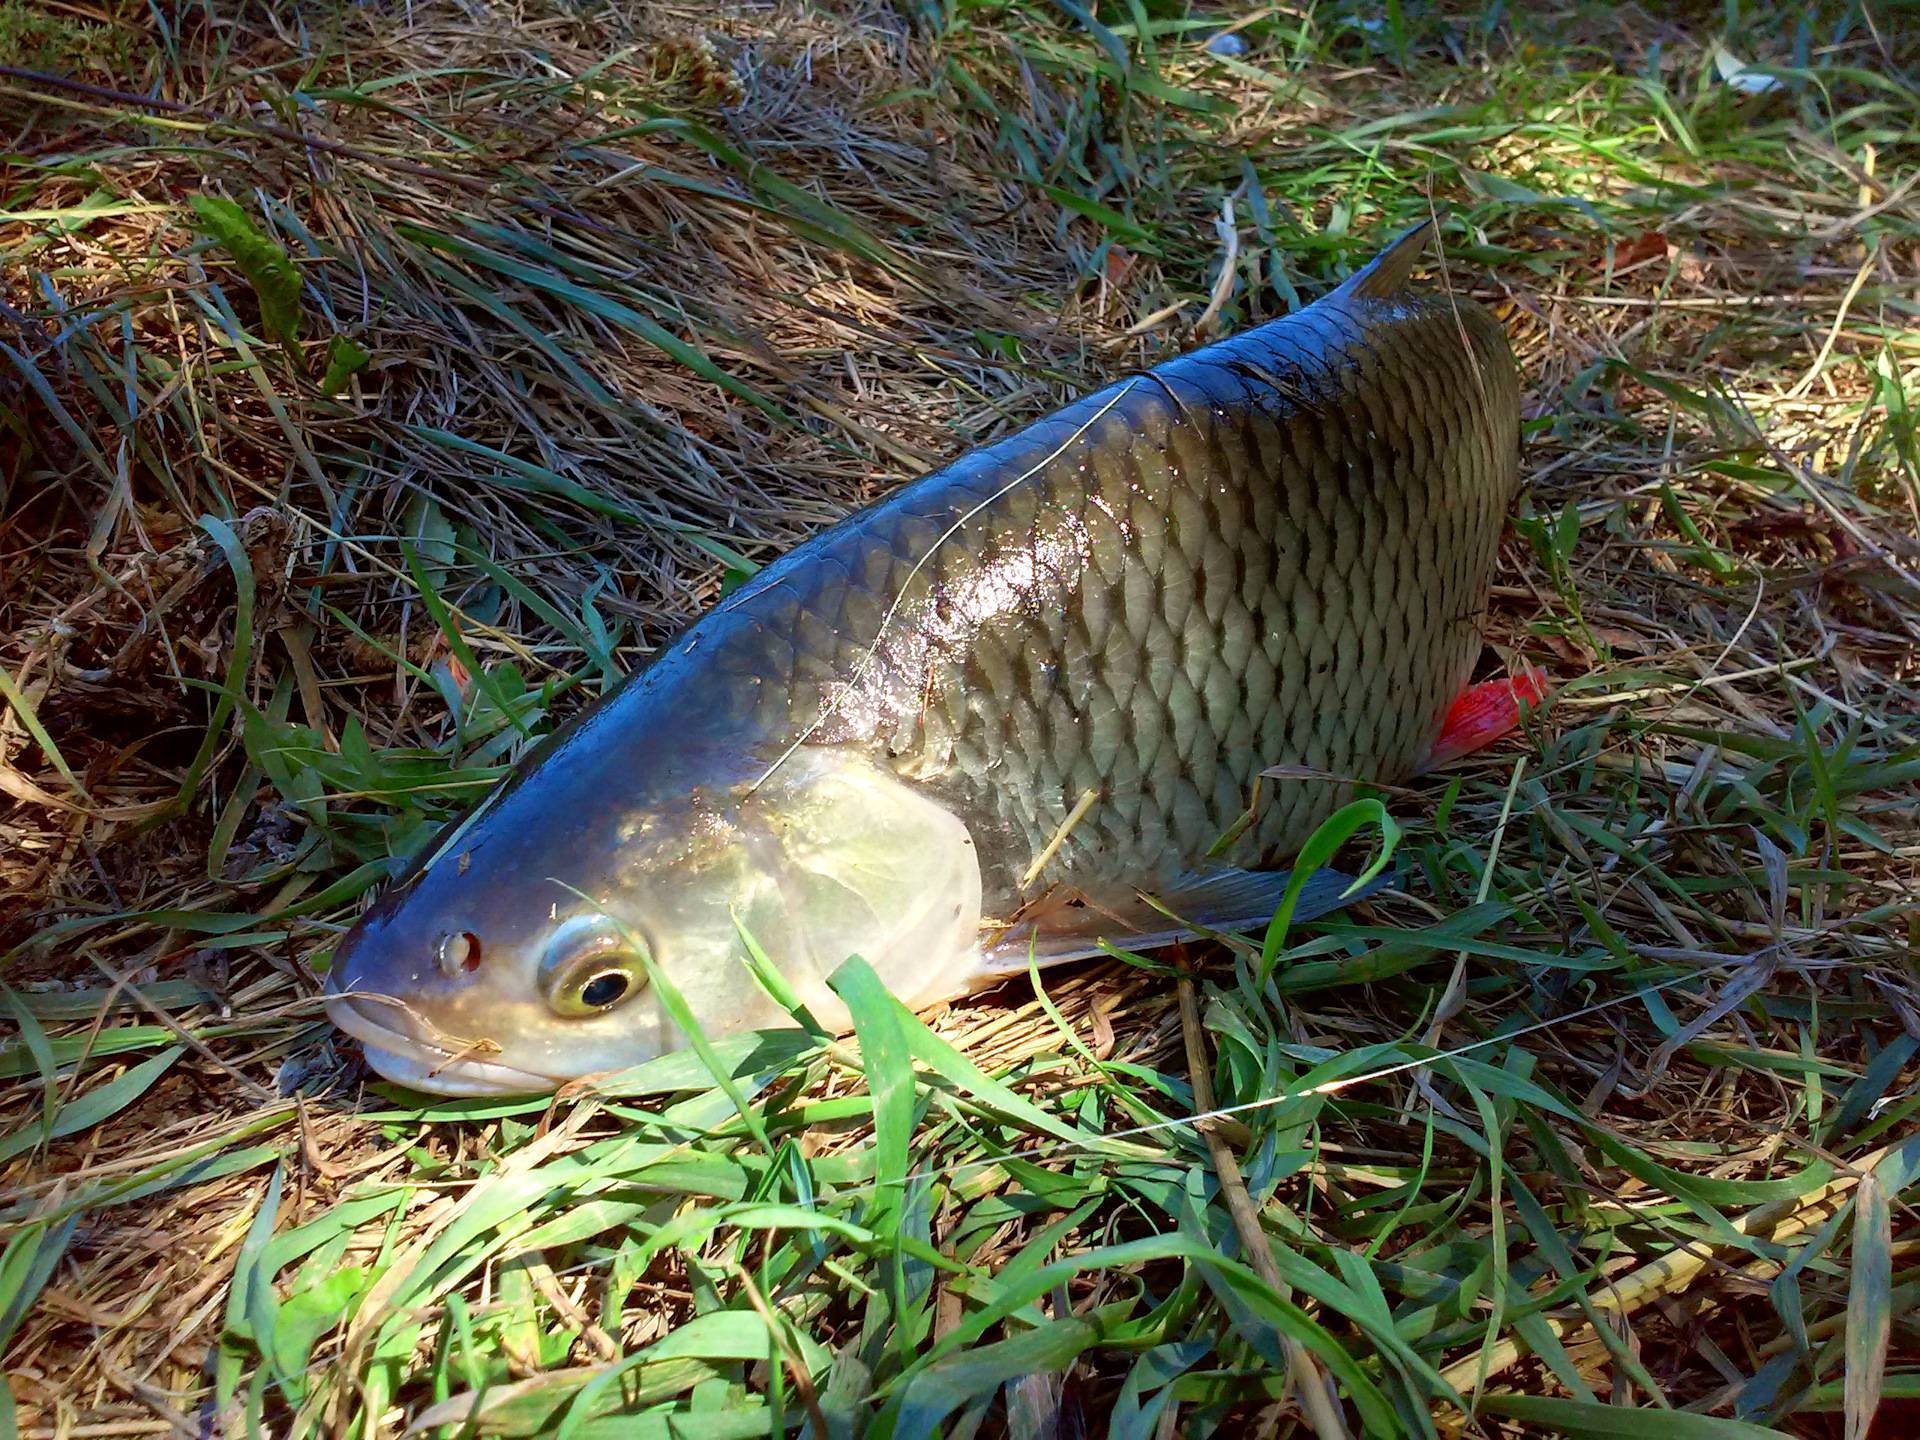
1385 276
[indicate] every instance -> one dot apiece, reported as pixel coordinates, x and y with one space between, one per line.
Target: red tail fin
1484 713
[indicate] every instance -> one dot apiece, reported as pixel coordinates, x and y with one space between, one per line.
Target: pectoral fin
1067 927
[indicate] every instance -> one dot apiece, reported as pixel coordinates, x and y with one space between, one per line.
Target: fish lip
420 1064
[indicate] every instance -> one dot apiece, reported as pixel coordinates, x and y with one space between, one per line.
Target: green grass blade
1579 1419
101 1103
31 1256
1869 1312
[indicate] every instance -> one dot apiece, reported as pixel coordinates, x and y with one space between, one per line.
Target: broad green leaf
34 1050
251 1305
308 1315
940 1389
930 1050
717 1336
32 1254
879 1023
533 1406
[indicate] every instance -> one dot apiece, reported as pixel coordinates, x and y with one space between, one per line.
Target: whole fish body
977 719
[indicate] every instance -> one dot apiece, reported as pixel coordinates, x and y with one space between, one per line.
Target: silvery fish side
976 719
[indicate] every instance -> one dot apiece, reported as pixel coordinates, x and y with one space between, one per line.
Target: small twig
152 1396
1309 1381
309 1151
1805 382
802 1381
1074 817
548 1284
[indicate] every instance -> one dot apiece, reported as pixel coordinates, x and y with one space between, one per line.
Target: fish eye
457 952
588 970
596 981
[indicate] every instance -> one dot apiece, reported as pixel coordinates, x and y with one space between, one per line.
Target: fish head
547 938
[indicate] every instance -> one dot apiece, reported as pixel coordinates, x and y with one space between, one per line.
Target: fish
1091 684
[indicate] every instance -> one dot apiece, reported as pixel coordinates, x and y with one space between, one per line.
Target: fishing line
1091 1143
900 596
1326 1087
442 846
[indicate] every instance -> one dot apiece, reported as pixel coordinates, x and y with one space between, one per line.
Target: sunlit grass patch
383 384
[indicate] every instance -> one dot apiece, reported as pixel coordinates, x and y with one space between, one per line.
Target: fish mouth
408 1058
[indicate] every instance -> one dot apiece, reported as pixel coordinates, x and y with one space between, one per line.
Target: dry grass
647 293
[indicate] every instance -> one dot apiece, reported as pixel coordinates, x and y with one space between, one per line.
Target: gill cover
865 864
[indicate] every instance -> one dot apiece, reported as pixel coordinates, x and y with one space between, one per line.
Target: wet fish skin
1272 551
